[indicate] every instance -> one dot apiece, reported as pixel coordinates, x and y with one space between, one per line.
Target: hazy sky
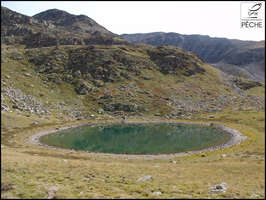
216 19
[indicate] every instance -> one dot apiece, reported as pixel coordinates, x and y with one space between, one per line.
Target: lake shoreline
236 139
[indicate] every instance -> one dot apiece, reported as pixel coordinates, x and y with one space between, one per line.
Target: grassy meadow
31 170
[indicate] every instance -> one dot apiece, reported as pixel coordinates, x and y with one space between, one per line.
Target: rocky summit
53 27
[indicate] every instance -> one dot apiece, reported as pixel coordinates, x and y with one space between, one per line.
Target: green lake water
138 138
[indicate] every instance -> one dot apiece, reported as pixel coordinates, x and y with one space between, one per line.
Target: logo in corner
253 11
251 14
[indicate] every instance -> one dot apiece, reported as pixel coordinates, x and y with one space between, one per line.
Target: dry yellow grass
34 169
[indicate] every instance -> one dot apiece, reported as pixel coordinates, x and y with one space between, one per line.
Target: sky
216 19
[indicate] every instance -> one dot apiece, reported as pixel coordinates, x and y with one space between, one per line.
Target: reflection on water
138 138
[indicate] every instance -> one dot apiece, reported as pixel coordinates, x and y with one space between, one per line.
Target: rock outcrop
236 57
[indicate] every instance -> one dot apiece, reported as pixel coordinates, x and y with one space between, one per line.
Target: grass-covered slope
50 87
75 82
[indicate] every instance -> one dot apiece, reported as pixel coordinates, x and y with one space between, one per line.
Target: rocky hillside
236 57
53 27
76 80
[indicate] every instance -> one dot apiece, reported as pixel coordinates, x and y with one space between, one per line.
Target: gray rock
172 161
24 102
68 78
145 178
77 74
121 107
100 111
27 74
15 107
51 192
83 88
98 83
6 76
255 196
5 108
146 78
222 187
158 193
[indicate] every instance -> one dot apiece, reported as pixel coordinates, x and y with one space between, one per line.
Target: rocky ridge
236 57
121 80
53 27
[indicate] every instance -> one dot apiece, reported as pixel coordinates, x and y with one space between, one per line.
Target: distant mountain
71 22
53 27
242 58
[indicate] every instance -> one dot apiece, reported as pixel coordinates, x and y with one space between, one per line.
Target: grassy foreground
30 171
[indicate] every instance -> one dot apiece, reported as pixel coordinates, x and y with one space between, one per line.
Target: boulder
172 161
98 83
158 193
100 111
51 192
77 74
82 88
27 74
145 178
40 68
7 76
222 187
120 107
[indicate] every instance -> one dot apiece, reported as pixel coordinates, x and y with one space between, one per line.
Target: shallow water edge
236 139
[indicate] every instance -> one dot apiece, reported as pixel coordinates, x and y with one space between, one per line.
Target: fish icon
253 10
